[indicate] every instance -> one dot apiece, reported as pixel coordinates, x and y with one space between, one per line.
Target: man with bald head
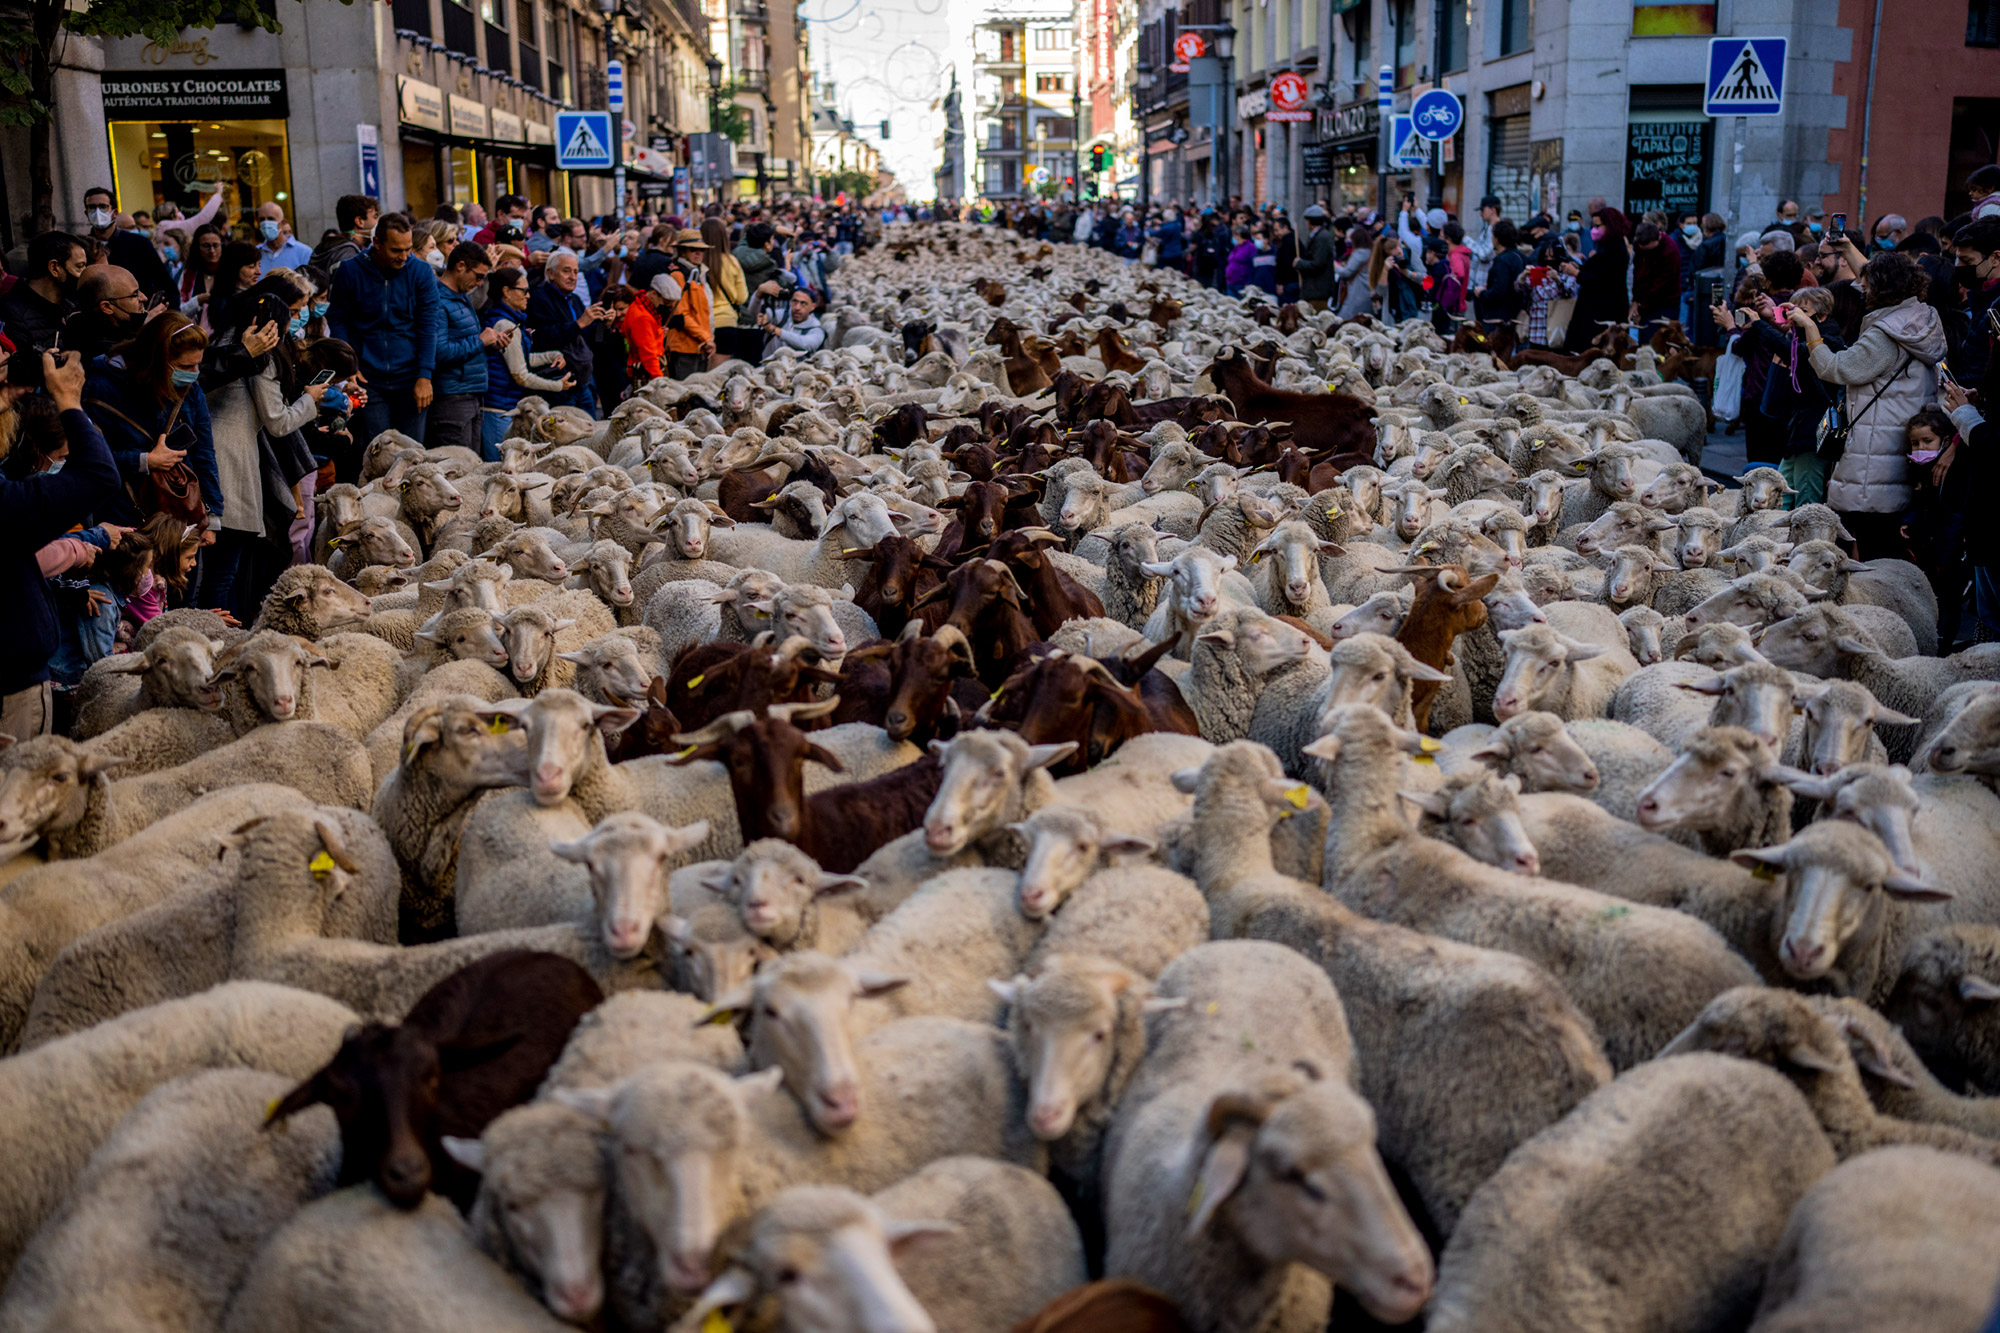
109 310
276 246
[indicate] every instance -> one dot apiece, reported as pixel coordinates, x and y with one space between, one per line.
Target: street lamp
714 103
1225 47
1142 86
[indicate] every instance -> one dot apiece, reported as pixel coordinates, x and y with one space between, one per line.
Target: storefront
1509 161
1667 147
1341 166
456 149
176 137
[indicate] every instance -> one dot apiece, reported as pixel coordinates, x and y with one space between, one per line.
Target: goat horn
726 725
794 712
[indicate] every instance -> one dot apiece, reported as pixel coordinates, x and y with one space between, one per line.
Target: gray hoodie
1897 353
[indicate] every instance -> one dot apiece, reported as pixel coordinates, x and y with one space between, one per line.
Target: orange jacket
645 339
690 327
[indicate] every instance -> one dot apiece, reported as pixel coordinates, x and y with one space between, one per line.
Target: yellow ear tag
1256 556
1299 796
1427 745
1333 511
717 1322
1463 401
695 683
997 693
723 1020
498 726
1422 759
685 753
333 543
321 865
271 1109
772 496
1762 871
1193 1205
1213 1008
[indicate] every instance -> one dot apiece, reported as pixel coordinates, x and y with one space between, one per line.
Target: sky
888 60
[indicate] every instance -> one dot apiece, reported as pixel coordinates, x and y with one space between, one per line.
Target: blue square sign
583 140
1746 76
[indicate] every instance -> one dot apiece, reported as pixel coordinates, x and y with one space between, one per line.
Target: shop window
1507 165
460 28
184 162
1667 150
420 177
1516 27
1457 34
412 15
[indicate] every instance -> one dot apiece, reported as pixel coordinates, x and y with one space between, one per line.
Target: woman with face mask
510 365
200 264
147 398
259 404
1604 296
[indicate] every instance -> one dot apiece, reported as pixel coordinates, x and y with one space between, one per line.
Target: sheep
1475 811
1786 1031
1554 1238
1725 787
1896 584
473 678
461 634
159 1226
1571 666
692 611
1380 867
1825 637
1958 732
1290 585
1233 658
636 1028
785 898
268 677
1383 613
1886 1241
62 1099
856 523
1130 593
1139 916
375 541
308 601
351 1263
1898 1082
1943 830
604 568
617 668
1197 584
1944 1003
1534 747
1410 993
1623 524
987 1245
1767 599
1367 668
539 633
1609 474
1649 634
1677 488
54 789
1271 1142
174 670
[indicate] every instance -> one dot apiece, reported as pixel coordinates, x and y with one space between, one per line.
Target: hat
1435 218
687 238
1314 213
663 286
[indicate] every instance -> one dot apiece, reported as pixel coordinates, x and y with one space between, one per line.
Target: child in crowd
1935 524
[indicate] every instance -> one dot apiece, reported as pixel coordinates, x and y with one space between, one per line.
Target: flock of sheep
1015 821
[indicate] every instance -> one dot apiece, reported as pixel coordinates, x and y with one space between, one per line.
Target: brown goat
1115 1305
1322 423
1053 596
1057 696
905 687
653 733
1446 605
899 572
1111 349
710 679
984 601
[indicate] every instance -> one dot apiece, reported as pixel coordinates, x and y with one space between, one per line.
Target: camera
24 368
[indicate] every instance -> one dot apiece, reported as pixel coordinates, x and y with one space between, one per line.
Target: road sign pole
1735 194
1385 106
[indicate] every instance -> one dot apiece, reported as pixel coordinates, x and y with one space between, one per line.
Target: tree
33 33
726 118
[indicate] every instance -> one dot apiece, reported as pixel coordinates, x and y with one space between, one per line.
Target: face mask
1693 233
268 229
1813 227
319 309
1262 244
171 253
54 467
100 218
1597 233
1572 225
184 378
436 260
298 323
1924 455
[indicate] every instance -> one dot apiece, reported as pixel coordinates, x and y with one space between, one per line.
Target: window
524 23
459 29
1406 42
1982 23
1667 150
1052 83
1507 163
1515 25
1052 39
1360 41
1457 32
412 16
494 12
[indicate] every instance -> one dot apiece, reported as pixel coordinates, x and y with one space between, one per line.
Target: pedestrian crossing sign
583 140
1746 76
1407 148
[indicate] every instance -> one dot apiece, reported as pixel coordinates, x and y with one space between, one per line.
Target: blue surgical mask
1813 227
319 309
184 378
171 253
57 466
1691 231
268 229
298 323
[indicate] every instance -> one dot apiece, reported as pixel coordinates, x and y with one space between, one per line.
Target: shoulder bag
176 491
1835 425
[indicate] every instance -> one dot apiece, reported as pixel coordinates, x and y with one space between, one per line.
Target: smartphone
1839 224
324 377
1944 373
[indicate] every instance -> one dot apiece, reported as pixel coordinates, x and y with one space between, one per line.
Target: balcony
750 11
752 81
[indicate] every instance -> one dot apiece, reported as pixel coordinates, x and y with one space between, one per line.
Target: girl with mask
200 265
236 271
259 404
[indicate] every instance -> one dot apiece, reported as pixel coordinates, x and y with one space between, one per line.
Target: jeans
584 396
493 427
454 419
388 409
1986 603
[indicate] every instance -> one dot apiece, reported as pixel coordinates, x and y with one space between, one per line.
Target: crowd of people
1854 364
175 393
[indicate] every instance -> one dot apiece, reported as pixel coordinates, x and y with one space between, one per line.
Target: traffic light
1100 157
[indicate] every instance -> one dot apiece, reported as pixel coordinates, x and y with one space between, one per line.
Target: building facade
765 53
1025 100
418 102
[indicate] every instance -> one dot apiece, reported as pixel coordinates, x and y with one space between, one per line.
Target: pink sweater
64 554
147 602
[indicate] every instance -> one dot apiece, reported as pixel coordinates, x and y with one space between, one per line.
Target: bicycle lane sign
1437 114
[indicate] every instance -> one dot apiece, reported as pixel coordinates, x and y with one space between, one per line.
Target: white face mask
99 217
436 260
57 466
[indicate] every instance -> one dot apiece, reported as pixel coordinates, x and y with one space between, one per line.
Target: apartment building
1025 100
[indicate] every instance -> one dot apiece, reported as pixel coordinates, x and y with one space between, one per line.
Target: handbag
175 492
1835 425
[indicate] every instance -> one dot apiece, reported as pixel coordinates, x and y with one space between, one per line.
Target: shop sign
1188 48
1251 105
1354 121
422 103
237 94
468 118
507 127
539 133
1288 98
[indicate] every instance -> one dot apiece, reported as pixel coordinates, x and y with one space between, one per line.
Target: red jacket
645 338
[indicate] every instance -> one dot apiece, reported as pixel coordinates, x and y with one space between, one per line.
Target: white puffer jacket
1904 341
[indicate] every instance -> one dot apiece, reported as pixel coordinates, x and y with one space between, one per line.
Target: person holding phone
510 365
561 318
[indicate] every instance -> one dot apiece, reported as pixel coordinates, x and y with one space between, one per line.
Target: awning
535 154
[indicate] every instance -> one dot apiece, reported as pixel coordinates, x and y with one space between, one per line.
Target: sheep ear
1801 1056
831 884
1977 990
1419 671
1326 747
762 1080
1041 756
872 985
1158 569
728 1009
1223 1167
1802 783
1706 685
681 839
1854 647
1430 802
576 852
1576 650
1008 991
1889 717
1162 1004
1909 889
1760 858
1126 844
468 1153
735 1287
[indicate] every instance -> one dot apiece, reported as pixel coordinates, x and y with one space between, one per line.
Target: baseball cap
1436 218
1315 213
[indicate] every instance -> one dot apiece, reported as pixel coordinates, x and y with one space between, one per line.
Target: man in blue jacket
460 377
1171 240
33 513
561 318
385 308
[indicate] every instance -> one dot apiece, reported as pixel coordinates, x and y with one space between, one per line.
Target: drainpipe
1867 124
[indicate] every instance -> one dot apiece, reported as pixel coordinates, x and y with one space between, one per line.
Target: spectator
33 312
1794 400
727 291
690 331
1983 185
1316 266
1978 453
644 327
133 253
1459 257
1236 271
1170 240
1285 245
799 328
561 319
355 216
509 208
1263 260
110 309
385 308
1499 302
259 454
1935 527
1656 280
37 510
90 605
656 258
237 270
1551 278
1479 242
1603 291
510 365
198 274
1889 231
1977 249
1356 296
1890 372
277 247
544 226
460 371
147 400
